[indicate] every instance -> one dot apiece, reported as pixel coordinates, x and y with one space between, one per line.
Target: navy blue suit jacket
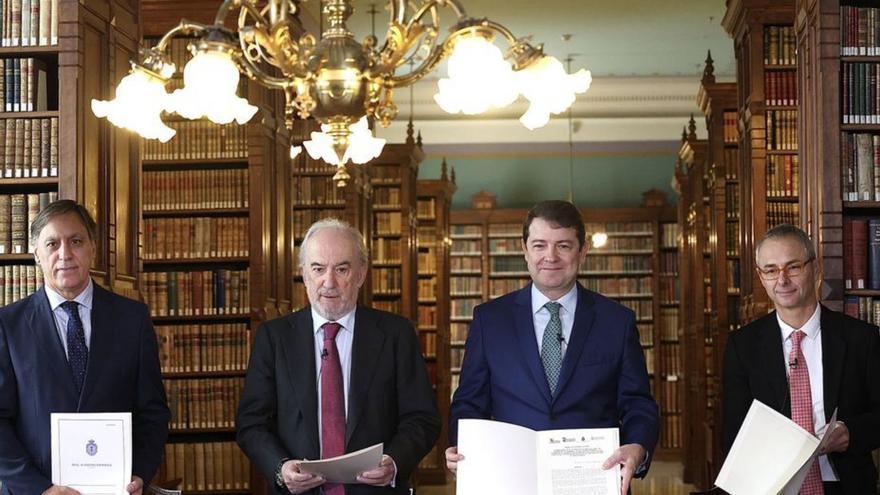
603 382
35 380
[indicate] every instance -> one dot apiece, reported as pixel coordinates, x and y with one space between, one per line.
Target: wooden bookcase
394 264
434 200
764 44
637 268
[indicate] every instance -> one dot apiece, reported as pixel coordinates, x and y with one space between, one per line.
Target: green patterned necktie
551 346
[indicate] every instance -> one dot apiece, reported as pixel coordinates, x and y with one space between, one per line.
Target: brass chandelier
340 82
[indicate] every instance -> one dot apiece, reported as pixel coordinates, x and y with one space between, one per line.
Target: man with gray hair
805 361
73 346
336 377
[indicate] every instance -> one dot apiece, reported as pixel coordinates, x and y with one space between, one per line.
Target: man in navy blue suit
74 347
555 355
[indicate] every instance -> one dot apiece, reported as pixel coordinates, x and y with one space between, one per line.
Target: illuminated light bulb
599 239
479 78
210 82
320 147
549 89
295 151
140 99
362 146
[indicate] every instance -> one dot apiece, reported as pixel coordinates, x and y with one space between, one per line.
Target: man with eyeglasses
805 360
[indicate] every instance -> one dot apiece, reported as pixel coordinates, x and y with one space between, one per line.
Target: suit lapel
42 324
833 355
583 323
298 347
101 340
770 349
528 344
365 353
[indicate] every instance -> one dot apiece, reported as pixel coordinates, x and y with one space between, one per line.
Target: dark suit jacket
35 380
390 396
603 382
754 368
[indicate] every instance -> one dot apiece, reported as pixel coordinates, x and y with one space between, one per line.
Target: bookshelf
394 263
434 199
196 280
638 268
767 117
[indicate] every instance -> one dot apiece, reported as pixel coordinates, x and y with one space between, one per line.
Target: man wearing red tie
805 360
336 377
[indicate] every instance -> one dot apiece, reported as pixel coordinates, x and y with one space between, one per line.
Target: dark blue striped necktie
77 352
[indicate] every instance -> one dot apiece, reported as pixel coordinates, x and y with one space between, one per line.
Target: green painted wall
599 181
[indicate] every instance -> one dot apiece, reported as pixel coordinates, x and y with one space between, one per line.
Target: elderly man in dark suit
805 360
74 347
336 377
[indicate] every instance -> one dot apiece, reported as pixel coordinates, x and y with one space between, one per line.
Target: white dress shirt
541 315
811 347
344 339
85 313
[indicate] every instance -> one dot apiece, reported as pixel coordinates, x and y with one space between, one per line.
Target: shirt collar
568 301
84 298
811 327
347 321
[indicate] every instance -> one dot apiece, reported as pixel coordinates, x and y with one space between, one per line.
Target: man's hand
297 481
381 476
136 487
838 439
629 456
60 490
452 459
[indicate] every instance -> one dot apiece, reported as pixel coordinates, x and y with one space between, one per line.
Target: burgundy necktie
332 403
802 407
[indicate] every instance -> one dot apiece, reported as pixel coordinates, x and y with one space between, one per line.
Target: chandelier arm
256 74
185 27
223 10
391 51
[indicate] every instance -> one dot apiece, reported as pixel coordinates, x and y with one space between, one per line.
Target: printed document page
91 452
570 462
345 468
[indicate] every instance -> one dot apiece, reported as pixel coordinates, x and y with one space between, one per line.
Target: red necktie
332 403
802 407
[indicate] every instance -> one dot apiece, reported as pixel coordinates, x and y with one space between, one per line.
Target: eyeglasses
793 269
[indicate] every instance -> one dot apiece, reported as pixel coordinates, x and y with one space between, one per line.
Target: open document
91 452
510 459
770 455
345 468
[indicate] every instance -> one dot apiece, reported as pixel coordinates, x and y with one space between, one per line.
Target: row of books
30 22
646 334
195 189
643 308
429 344
731 130
458 333
731 163
199 140
500 286
427 235
782 132
386 250
384 174
731 201
195 237
860 166
671 395
859 30
203 403
671 432
304 218
203 348
426 208
780 89
18 282
387 281
669 290
216 466
780 45
427 262
427 316
467 231
17 212
649 360
465 264
780 213
505 246
207 292
669 263
318 190
672 365
861 252
29 147
641 244
620 286
463 308
669 323
23 84
390 222
506 265
466 246
427 289
622 263
304 164
456 356
861 92
733 276
505 230
668 235
782 176
863 308
732 239
466 285
610 228
386 196
392 306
